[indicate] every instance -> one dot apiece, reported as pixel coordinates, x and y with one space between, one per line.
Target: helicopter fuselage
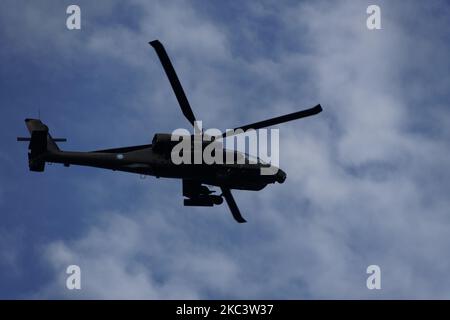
144 160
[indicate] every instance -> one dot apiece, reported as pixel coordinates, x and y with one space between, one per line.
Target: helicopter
155 159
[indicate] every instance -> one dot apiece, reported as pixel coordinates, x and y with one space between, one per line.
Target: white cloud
139 257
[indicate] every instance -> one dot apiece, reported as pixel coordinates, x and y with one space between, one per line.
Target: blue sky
367 179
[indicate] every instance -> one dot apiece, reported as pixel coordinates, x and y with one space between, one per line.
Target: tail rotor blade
232 205
273 121
174 81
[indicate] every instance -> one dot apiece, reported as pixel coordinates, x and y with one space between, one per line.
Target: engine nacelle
162 142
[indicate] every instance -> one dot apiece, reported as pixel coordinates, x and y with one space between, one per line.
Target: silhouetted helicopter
155 160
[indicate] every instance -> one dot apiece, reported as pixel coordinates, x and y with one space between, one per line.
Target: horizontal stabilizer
40 144
22 139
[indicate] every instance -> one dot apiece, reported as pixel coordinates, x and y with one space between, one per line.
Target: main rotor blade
174 81
232 205
270 122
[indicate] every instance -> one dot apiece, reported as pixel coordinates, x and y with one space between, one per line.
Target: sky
367 179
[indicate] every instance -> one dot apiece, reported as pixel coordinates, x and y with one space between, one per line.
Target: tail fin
41 143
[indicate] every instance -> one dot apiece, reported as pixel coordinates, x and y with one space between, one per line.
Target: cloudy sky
368 178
